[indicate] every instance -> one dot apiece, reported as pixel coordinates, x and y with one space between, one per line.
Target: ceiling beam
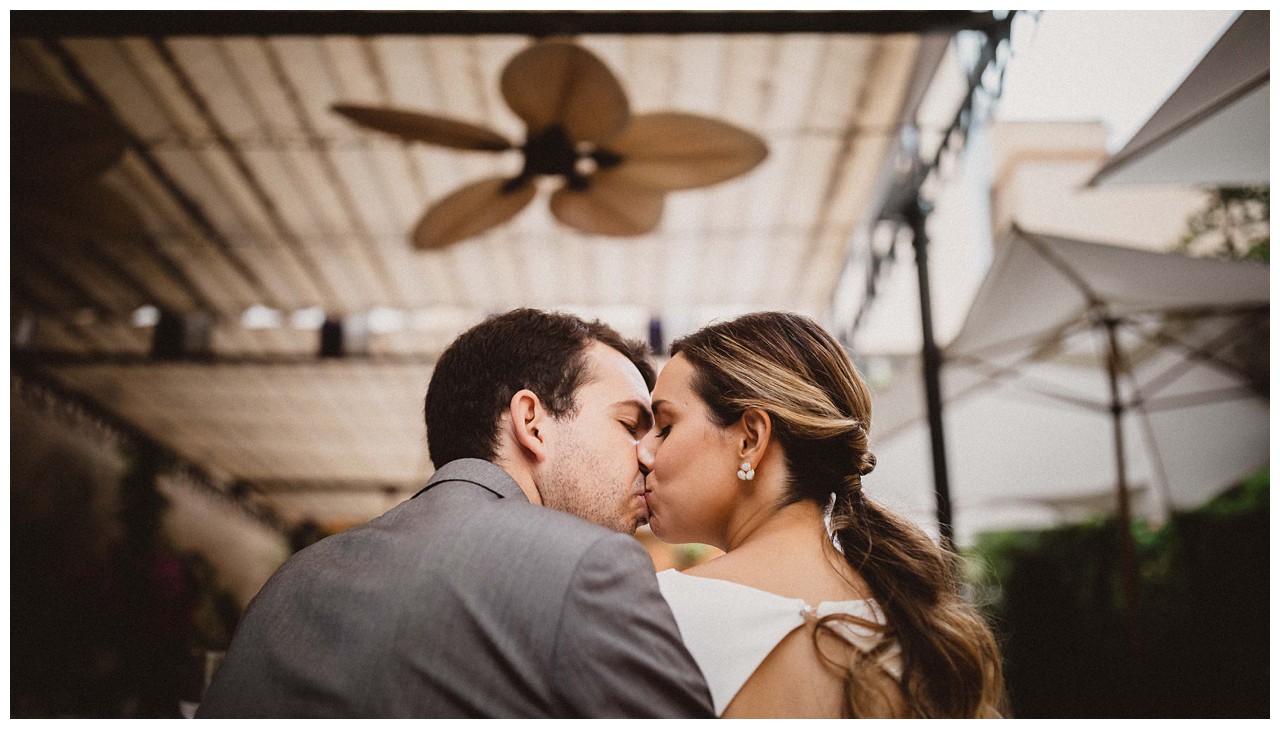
47 358
117 23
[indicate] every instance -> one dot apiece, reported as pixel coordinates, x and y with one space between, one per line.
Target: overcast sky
1117 66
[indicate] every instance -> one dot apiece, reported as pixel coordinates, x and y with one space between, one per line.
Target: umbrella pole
1128 558
915 214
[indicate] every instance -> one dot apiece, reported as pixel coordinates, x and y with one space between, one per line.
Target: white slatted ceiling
802 104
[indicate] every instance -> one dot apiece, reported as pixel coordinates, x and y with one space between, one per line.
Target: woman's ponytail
951 665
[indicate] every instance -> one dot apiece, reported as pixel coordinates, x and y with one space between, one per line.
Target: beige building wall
1040 170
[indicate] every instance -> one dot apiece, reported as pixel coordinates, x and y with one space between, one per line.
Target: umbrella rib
1036 340
1173 402
1008 374
890 433
1139 401
1203 353
1080 323
1202 312
1161 479
1042 247
1175 371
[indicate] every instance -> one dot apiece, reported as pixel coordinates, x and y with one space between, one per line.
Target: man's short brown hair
479 373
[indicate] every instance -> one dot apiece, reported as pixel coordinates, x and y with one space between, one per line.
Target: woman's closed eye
662 433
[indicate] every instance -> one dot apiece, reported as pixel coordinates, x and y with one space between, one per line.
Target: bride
760 428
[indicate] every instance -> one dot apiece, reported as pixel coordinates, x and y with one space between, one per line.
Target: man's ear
755 432
528 423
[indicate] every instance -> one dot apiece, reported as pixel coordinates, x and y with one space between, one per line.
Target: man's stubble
580 485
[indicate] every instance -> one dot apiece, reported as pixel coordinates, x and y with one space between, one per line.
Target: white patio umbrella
1214 130
1028 401
1082 371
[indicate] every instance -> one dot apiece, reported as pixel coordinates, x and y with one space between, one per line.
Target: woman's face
693 485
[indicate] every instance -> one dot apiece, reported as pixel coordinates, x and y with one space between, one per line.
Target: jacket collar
479 472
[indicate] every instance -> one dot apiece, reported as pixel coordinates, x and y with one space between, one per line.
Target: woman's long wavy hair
794 370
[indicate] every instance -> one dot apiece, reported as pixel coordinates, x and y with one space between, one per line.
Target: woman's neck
784 551
791 526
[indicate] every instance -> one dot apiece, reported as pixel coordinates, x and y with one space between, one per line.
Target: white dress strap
731 628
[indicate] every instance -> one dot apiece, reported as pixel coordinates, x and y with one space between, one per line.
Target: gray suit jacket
466 600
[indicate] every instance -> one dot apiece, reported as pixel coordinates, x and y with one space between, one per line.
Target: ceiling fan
60 150
616 166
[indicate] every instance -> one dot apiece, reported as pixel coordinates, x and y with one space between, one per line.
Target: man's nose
644 453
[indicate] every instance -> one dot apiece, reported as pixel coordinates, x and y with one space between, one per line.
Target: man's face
593 470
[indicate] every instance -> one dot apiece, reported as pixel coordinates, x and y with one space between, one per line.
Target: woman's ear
756 429
528 424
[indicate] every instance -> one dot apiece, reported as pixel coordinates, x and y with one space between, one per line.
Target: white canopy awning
1214 130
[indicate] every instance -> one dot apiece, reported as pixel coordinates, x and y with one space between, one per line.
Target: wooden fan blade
610 206
75 213
470 211
55 141
110 213
556 82
416 127
674 151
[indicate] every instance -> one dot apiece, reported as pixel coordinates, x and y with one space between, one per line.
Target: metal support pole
1128 556
915 214
905 204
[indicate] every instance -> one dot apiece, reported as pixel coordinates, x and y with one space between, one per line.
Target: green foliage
1056 599
1261 251
1235 223
688 555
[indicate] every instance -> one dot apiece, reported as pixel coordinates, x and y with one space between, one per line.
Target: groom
490 593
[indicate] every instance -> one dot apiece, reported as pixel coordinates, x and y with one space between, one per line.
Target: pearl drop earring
746 472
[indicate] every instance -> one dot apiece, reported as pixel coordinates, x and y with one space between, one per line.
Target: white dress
731 628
